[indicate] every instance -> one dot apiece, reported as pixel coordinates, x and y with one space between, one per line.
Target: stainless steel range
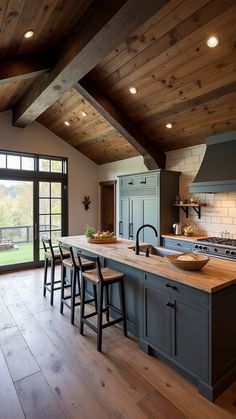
216 246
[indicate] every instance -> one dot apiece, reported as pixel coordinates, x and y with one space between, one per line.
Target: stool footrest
114 308
54 289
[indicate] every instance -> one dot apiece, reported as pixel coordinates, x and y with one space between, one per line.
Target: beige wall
82 172
220 213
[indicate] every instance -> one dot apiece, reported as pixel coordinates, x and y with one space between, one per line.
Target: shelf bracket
185 209
198 211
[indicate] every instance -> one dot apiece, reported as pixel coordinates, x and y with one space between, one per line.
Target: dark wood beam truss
153 157
104 26
25 66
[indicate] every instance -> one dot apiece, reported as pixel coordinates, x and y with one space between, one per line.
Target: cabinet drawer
174 288
140 181
181 245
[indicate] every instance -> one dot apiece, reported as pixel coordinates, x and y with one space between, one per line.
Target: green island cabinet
147 198
184 246
189 329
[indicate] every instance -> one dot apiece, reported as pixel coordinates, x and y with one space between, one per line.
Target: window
20 161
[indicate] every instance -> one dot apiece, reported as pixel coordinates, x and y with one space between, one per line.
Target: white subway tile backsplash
220 212
228 204
232 212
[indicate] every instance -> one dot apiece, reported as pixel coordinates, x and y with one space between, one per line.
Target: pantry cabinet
147 198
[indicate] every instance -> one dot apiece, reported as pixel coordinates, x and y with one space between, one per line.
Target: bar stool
71 264
52 255
101 278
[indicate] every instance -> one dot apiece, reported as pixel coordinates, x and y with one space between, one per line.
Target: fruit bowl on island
94 236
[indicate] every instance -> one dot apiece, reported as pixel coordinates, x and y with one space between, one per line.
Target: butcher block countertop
216 275
182 237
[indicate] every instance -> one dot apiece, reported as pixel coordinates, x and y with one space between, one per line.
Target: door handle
172 286
170 305
120 228
131 230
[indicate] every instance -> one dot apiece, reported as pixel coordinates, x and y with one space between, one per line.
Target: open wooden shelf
196 207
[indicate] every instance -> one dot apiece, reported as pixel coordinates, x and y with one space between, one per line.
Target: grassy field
23 253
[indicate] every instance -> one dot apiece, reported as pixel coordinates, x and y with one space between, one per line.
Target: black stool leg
45 276
82 300
95 297
99 317
122 303
52 280
107 303
63 274
73 290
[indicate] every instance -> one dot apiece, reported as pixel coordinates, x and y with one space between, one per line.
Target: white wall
111 171
82 172
220 213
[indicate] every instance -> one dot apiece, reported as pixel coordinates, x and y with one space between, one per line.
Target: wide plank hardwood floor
47 370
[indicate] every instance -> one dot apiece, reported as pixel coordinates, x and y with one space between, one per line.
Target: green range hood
217 172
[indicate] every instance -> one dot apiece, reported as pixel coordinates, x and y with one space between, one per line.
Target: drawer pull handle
170 305
130 183
172 286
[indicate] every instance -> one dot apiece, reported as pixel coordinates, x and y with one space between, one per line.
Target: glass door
50 212
16 222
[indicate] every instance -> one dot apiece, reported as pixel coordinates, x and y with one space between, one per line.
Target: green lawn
23 253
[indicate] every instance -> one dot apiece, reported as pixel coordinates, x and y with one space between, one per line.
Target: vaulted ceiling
85 55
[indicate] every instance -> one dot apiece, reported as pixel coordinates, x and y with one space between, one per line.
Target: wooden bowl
189 265
102 241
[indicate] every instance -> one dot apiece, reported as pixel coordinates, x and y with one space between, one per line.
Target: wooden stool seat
108 274
68 263
56 254
101 278
71 264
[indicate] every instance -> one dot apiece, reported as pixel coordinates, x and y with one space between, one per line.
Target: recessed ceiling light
67 123
133 90
83 113
169 125
29 34
213 41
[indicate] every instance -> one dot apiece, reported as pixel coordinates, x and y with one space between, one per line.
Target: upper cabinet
147 198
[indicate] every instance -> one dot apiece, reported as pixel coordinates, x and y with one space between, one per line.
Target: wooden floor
47 370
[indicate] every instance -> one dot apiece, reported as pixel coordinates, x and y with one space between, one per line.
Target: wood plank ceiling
179 79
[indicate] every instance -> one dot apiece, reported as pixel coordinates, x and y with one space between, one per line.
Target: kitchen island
185 318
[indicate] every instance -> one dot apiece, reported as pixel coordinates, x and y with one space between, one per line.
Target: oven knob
227 252
232 252
196 246
204 248
200 247
215 249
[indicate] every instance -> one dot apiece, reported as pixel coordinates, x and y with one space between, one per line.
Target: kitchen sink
162 251
157 250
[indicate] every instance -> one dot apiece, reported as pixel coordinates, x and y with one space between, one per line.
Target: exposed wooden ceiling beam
153 157
25 66
105 25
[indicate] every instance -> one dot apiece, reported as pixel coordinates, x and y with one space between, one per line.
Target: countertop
182 237
216 275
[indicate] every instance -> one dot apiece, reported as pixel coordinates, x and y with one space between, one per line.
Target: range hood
218 169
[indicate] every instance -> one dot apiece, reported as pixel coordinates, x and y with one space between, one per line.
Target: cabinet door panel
136 217
124 218
150 217
156 319
190 336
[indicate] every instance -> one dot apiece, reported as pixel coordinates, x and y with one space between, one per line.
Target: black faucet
137 248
